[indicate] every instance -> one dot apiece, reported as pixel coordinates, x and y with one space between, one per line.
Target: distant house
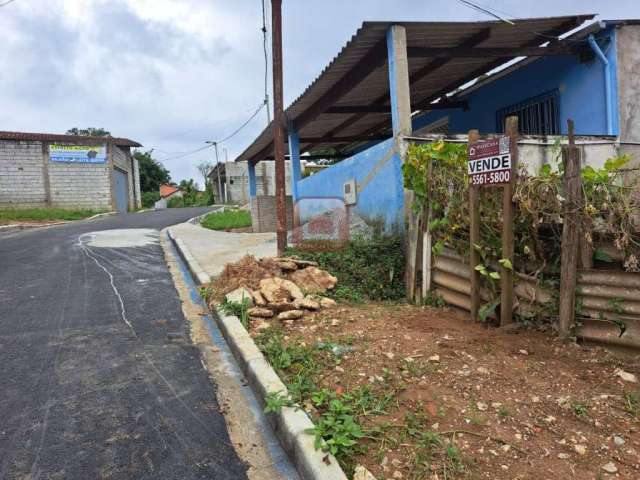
393 82
234 180
166 193
68 171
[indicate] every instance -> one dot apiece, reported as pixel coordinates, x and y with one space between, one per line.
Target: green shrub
149 199
176 202
227 219
366 269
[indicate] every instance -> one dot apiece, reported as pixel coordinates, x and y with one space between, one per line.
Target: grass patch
44 214
227 220
366 269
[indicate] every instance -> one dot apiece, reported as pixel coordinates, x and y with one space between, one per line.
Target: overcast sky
172 74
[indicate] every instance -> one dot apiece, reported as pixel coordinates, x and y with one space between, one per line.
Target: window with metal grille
536 116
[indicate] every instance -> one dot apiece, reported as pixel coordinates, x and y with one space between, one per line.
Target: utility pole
215 146
278 123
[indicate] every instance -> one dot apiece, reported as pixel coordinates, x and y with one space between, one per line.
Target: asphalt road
96 381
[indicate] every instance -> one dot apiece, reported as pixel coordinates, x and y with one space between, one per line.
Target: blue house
395 82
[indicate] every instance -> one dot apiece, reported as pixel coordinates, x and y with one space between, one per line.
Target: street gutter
290 424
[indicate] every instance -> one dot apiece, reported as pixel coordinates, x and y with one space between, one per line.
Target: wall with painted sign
41 170
78 153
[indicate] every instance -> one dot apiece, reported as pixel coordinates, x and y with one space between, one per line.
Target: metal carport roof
349 101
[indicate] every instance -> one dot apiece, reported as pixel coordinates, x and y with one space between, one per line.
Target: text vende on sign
490 162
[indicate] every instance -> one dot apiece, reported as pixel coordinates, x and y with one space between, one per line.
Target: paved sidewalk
212 249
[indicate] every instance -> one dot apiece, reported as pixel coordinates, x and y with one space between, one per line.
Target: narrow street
97 379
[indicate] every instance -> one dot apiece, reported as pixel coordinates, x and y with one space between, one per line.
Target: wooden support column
400 97
474 237
508 216
570 237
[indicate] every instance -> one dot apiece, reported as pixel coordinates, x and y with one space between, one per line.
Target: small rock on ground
239 295
361 473
260 312
290 315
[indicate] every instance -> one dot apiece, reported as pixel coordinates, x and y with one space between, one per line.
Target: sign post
474 236
493 163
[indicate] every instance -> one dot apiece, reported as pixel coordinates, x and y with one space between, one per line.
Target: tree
204 168
89 132
152 173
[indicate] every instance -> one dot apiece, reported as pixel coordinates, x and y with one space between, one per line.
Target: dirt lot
458 400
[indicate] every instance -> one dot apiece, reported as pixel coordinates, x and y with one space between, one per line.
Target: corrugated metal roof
54 137
432 77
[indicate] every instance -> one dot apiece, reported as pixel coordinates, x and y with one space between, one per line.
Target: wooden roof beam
386 109
482 52
482 70
473 40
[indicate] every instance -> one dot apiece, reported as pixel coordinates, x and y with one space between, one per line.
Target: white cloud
174 73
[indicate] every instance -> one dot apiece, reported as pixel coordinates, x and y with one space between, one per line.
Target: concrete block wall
237 182
29 179
264 216
80 185
22 182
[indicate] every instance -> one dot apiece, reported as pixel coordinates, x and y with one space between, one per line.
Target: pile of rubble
297 288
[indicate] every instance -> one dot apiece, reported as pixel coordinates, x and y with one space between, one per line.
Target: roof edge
56 137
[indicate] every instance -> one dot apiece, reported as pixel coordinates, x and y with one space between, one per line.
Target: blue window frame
536 116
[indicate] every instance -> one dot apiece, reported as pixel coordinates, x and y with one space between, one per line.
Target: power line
235 132
491 12
485 11
186 154
6 3
266 60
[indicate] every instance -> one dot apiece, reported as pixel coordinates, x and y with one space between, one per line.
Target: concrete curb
290 424
99 215
24 226
197 272
196 220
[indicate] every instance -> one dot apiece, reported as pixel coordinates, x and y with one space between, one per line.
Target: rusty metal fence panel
608 300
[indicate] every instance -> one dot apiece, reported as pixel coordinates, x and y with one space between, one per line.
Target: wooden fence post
570 238
426 240
508 208
474 237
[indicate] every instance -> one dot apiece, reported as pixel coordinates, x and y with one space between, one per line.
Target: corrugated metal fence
608 301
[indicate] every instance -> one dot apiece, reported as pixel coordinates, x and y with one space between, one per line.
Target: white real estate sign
490 162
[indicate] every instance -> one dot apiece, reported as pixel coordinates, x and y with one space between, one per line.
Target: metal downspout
607 82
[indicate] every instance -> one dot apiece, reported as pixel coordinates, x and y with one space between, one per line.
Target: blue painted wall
382 198
581 88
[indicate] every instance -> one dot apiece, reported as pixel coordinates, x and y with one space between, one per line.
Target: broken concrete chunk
297 261
282 306
307 303
290 315
258 298
626 376
260 312
279 290
286 265
314 280
326 302
239 295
